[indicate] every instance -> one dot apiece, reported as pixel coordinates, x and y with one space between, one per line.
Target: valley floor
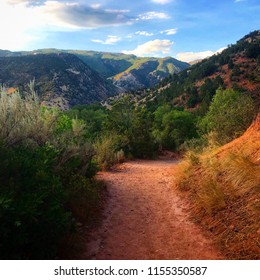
144 218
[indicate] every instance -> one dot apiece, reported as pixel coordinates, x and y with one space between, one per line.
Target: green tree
229 115
175 127
141 139
94 117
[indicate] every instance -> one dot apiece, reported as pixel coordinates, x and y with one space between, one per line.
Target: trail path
145 219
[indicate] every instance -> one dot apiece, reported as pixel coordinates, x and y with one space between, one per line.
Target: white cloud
27 21
153 15
192 56
95 6
110 40
152 48
67 14
162 1
169 31
117 11
144 33
237 1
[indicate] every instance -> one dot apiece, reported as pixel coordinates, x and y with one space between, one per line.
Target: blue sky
184 29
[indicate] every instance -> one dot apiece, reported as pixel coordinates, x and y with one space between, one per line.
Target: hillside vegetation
223 185
46 178
237 67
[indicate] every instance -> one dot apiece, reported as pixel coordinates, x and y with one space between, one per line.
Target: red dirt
144 218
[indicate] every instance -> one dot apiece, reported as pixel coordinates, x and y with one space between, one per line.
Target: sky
184 29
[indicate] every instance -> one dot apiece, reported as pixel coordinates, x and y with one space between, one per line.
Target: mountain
148 72
127 72
61 80
237 67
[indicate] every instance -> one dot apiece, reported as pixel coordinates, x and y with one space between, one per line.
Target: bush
23 121
46 172
32 214
108 150
229 115
172 128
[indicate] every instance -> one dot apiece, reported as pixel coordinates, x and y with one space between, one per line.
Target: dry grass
224 186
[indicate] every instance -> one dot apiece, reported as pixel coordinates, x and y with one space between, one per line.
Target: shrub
32 214
46 172
229 115
172 128
23 121
108 150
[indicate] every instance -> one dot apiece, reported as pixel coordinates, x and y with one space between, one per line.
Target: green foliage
230 113
83 196
253 51
141 141
32 214
108 149
43 154
133 126
94 117
172 127
193 97
231 64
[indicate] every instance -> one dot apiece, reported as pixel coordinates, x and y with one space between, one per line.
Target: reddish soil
144 218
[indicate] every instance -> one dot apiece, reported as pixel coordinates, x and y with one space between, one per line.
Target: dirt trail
145 219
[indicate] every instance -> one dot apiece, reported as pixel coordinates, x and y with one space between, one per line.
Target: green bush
46 172
229 115
32 214
172 128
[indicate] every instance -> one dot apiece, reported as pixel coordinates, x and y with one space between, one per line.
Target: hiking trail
144 218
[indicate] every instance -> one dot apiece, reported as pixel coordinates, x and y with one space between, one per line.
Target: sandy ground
145 219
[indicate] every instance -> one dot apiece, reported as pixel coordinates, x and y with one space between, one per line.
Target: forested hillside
237 67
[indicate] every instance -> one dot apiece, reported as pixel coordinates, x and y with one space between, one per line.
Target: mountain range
65 78
61 80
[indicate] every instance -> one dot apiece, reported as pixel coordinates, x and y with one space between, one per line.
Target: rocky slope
61 80
146 73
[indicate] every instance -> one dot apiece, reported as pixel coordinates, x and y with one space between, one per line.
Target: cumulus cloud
110 40
152 48
144 33
80 16
72 14
192 56
169 31
153 15
162 1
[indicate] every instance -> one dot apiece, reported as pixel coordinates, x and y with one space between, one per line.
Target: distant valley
65 78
